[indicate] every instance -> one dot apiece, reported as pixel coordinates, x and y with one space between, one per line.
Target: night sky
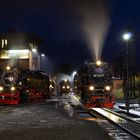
59 24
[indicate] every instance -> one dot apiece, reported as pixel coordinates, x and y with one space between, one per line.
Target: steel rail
117 124
124 117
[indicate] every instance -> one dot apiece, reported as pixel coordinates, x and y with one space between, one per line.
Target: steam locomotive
93 85
22 86
52 87
64 86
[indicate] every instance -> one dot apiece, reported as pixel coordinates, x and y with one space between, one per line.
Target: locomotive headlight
98 62
51 86
63 87
13 88
91 88
68 87
20 83
1 88
8 68
107 88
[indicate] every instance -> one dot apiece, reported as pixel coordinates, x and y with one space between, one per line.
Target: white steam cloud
95 22
93 16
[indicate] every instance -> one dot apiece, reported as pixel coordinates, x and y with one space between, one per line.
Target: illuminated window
3 43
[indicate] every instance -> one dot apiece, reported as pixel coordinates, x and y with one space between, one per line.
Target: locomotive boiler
23 86
93 85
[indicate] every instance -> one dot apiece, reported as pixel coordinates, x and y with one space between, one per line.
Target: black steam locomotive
52 87
21 86
93 85
64 86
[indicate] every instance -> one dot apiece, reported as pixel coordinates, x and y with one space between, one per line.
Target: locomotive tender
93 85
23 86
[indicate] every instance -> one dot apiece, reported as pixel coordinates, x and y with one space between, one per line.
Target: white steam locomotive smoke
95 22
90 15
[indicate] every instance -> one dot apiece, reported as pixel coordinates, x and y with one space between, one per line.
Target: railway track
122 128
131 128
117 126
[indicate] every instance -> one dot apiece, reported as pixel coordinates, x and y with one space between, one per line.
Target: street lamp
42 56
127 38
34 50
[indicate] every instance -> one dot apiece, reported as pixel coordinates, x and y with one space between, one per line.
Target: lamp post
42 55
127 38
41 60
73 75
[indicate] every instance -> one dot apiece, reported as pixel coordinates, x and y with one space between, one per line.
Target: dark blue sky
58 24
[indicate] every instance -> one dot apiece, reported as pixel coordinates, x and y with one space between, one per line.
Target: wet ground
51 120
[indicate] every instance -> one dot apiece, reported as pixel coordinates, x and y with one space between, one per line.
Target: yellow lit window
3 43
